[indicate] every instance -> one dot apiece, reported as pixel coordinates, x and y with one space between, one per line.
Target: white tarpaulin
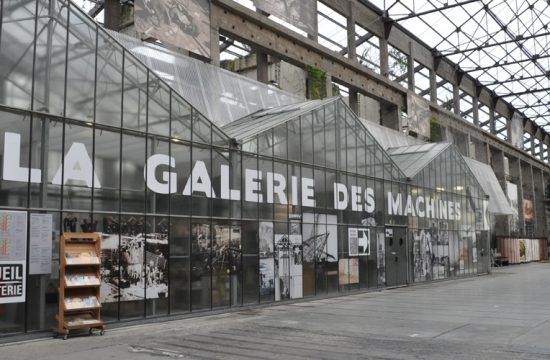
516 131
300 13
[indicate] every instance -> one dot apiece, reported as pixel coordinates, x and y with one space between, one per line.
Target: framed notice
13 256
40 258
359 241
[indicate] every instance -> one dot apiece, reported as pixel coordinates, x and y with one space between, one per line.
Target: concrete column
433 86
470 147
456 99
492 129
532 144
481 152
262 67
448 135
214 45
410 67
540 210
509 130
516 174
354 101
541 152
315 35
529 192
475 110
384 58
462 142
502 227
112 14
352 48
328 80
390 116
488 153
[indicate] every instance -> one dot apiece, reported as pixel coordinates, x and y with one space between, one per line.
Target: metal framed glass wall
109 147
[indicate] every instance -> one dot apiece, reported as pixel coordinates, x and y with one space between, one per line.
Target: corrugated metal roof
498 204
263 120
412 159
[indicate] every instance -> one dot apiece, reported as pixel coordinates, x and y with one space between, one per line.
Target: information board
13 254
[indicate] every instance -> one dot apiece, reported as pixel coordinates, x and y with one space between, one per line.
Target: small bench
501 260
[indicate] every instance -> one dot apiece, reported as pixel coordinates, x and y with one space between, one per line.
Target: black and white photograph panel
422 255
322 244
181 23
288 266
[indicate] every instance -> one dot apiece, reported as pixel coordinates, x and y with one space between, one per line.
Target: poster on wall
418 114
348 271
469 246
528 210
439 233
134 264
13 256
381 258
300 13
422 255
40 251
288 251
267 260
522 251
322 245
181 23
512 192
359 241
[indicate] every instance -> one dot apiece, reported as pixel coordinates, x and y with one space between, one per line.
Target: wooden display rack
79 285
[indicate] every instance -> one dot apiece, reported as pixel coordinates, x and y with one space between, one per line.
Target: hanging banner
181 23
418 115
512 192
528 210
516 131
13 256
300 13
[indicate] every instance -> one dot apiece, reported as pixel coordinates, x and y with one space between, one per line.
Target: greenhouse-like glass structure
292 201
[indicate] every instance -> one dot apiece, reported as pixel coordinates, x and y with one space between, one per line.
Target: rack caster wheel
65 337
102 332
90 331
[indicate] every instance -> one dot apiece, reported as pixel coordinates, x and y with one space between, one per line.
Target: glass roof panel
504 44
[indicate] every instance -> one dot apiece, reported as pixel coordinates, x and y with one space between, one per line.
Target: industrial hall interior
171 157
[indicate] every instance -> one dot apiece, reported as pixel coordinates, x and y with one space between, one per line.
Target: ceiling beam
486 46
446 6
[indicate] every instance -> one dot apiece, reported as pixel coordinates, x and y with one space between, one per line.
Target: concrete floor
502 316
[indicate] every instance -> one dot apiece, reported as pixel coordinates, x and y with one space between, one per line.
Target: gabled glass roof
329 122
498 204
412 159
258 122
438 166
505 44
221 95
390 138
82 73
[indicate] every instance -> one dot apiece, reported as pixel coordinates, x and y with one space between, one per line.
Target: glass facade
292 202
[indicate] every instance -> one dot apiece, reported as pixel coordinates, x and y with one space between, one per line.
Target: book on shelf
72 303
81 258
81 280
